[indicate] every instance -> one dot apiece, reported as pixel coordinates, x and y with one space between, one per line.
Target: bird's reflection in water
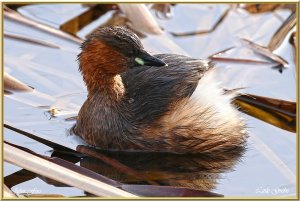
197 171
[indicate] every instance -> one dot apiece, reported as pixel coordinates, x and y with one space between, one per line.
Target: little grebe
137 102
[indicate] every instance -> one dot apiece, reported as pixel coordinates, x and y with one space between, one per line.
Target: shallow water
268 167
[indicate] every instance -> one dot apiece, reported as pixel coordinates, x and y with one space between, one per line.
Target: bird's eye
139 61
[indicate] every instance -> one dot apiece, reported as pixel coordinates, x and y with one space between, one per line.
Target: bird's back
152 90
181 108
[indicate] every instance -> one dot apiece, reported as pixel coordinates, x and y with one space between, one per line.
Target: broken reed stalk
42 196
30 40
215 26
282 31
18 18
266 52
75 24
7 193
13 84
279 113
141 18
57 172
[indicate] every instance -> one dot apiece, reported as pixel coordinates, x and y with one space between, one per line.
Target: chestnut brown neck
100 66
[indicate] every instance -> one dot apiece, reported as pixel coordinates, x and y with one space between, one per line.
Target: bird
153 103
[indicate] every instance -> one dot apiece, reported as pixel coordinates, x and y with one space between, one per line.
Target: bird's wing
151 90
